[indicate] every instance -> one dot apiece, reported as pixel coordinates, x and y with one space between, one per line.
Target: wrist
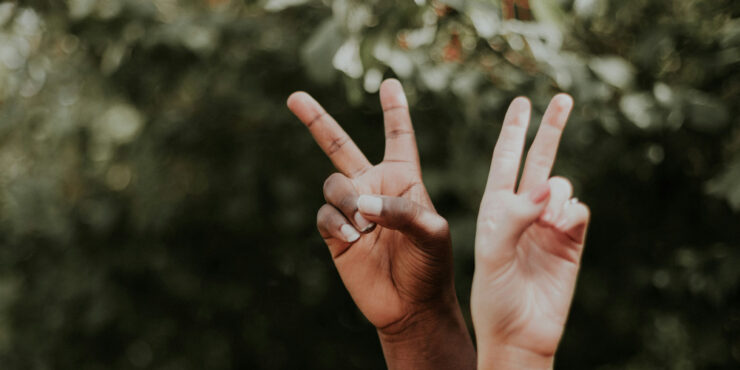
435 337
420 317
503 356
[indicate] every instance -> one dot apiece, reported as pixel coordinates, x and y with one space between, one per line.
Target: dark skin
391 248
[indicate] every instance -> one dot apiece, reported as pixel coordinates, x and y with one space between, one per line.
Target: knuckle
539 160
321 216
440 228
336 144
508 154
396 109
331 181
406 210
510 133
402 212
556 122
332 185
320 116
398 133
324 213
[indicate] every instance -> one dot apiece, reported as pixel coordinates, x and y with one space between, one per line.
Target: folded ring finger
560 191
338 233
340 192
574 220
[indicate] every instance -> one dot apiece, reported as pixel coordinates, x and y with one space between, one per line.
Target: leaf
614 70
347 58
640 108
485 18
548 11
727 184
318 51
278 5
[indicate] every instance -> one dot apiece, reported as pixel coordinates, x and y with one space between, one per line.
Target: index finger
332 139
541 155
507 153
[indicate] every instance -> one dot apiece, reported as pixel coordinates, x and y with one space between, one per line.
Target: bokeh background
158 200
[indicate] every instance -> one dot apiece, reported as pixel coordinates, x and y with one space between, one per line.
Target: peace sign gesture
528 245
391 248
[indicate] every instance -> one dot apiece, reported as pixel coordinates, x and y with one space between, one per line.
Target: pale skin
528 247
391 248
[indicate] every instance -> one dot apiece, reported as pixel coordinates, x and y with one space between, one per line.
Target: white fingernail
547 217
370 204
350 234
363 223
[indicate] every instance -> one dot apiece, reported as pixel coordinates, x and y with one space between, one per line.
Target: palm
386 272
530 290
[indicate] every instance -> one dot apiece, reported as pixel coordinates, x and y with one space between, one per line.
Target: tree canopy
158 201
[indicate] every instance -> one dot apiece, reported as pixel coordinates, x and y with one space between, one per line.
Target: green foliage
157 199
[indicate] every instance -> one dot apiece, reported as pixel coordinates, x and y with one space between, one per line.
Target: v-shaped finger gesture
391 248
528 245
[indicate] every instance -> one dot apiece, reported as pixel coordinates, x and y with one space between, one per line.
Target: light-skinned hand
528 246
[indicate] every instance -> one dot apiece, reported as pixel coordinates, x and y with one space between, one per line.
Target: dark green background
157 199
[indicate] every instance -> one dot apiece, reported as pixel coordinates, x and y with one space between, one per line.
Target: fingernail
370 205
363 223
540 193
350 234
547 217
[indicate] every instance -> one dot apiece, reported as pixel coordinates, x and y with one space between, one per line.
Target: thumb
524 210
420 224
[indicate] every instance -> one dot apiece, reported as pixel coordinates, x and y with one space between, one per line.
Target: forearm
433 341
503 357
